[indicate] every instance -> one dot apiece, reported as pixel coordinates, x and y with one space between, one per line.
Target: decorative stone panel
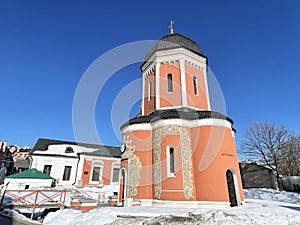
186 154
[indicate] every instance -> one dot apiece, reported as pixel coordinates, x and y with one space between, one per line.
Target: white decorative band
168 55
177 122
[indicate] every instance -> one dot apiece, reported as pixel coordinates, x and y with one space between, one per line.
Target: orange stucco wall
171 184
200 100
149 105
214 152
107 170
169 99
142 140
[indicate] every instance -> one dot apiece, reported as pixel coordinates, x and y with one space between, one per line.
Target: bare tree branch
268 143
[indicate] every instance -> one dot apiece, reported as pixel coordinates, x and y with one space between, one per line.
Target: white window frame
195 85
50 168
170 83
149 91
169 173
65 171
97 163
118 166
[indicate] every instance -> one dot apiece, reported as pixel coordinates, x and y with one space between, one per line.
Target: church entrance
122 193
231 185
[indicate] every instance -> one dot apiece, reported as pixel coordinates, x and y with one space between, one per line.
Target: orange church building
177 152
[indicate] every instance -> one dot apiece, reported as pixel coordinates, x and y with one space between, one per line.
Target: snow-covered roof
61 150
72 149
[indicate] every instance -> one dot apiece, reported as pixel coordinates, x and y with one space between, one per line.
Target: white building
28 179
72 163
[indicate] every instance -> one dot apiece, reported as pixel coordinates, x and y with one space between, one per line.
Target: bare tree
289 164
266 142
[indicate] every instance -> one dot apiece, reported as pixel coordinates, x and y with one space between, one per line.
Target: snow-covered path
255 211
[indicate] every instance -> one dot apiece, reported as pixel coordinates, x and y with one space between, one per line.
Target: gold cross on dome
171 26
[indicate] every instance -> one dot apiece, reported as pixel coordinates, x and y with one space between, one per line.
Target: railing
34 199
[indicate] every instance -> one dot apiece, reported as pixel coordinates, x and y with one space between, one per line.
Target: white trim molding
96 163
114 165
135 127
143 96
157 87
183 82
178 122
173 55
124 182
206 87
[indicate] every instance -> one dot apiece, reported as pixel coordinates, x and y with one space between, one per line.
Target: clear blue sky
46 46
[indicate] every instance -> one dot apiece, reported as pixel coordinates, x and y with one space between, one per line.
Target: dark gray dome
172 41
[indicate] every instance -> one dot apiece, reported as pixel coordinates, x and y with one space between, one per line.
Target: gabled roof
30 174
43 144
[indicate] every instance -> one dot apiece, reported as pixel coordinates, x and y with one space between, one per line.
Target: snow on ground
256 212
276 208
94 192
272 195
262 206
17 216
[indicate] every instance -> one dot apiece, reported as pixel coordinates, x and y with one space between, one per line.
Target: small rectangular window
195 85
170 154
96 173
47 169
67 173
115 175
172 164
170 83
149 91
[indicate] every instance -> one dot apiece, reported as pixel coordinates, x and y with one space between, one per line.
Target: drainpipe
78 154
30 161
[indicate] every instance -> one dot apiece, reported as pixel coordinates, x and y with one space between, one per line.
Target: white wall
19 183
58 165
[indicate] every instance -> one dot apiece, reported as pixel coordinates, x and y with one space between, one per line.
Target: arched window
149 91
170 161
195 85
170 83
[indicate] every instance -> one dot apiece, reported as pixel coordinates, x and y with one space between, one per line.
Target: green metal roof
30 174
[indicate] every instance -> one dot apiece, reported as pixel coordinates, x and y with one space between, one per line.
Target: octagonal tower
177 152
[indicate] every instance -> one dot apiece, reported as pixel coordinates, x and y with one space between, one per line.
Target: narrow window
195 85
170 161
149 91
47 169
115 177
170 83
67 173
96 173
172 166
